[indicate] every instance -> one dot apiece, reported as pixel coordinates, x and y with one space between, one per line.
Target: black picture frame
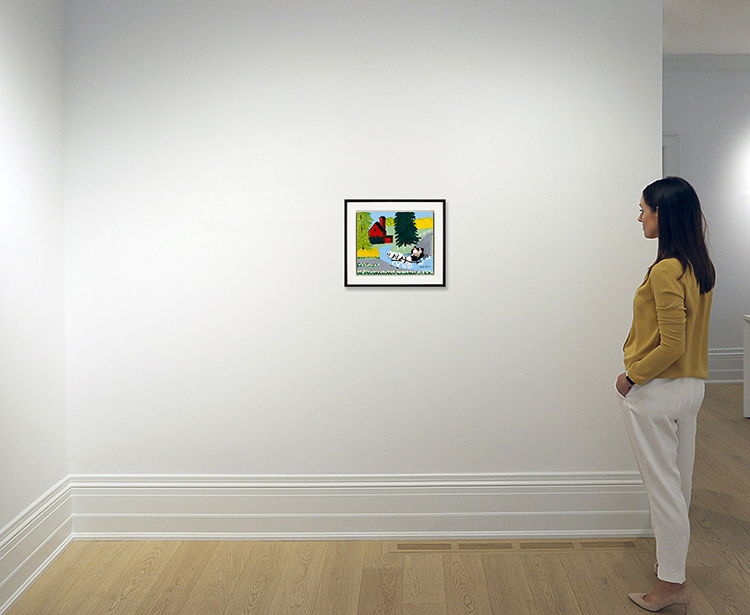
395 243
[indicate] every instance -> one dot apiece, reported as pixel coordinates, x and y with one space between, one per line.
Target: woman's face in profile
649 218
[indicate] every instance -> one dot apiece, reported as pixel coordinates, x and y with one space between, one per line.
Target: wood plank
341 579
214 588
726 537
724 592
722 437
424 609
177 580
728 413
96 588
260 577
424 584
726 402
704 543
550 585
302 571
591 582
716 488
147 566
465 585
718 471
721 471
381 592
700 602
507 584
379 557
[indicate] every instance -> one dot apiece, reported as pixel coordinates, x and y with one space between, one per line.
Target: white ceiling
706 26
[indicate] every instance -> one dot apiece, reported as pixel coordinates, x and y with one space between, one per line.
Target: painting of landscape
398 245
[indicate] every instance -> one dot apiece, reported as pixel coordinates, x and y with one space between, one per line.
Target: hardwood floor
571 577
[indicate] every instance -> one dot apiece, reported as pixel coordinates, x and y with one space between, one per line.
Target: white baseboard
707 61
32 541
725 366
359 507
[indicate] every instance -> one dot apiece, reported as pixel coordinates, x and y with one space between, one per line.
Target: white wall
33 426
35 511
707 105
210 149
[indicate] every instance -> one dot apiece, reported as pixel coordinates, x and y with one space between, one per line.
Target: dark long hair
682 228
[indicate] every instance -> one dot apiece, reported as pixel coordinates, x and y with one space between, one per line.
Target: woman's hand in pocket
622 385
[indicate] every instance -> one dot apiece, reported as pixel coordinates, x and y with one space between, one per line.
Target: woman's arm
669 295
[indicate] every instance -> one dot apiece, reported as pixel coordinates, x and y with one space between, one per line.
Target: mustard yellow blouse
669 334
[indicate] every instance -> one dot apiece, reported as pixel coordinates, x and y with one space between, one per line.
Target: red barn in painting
377 232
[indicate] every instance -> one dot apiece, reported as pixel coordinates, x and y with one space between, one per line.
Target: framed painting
394 242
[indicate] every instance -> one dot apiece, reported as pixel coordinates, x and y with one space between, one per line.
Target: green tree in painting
364 223
406 228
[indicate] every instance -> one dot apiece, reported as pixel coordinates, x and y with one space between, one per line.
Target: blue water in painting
424 265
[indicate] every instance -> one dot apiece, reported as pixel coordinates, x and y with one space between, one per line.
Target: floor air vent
521 546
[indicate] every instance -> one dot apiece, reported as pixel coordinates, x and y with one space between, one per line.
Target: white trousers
661 417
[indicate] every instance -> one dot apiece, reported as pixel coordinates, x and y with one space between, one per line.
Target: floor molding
706 61
33 540
359 507
725 366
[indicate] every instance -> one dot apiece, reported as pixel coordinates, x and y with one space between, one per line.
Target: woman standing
666 362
